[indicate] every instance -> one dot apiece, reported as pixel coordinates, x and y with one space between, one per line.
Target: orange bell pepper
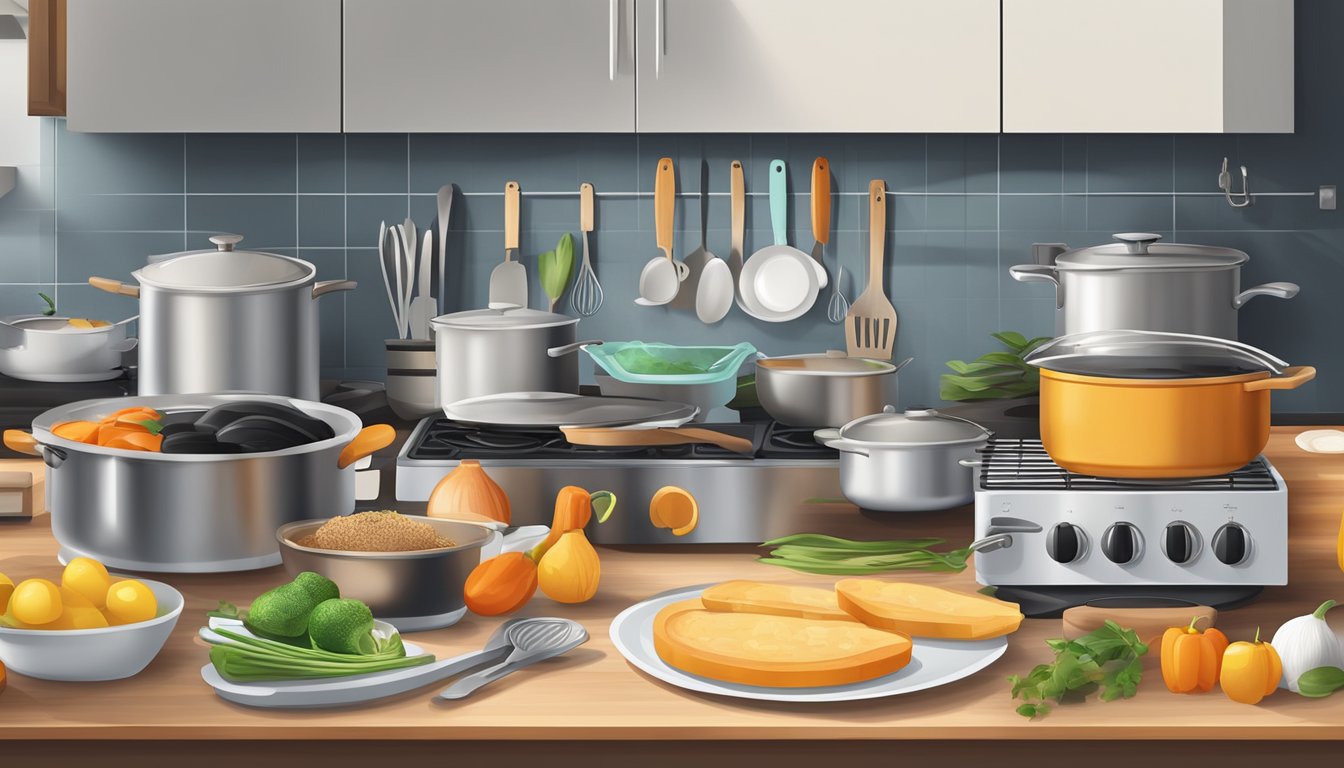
1251 671
1191 659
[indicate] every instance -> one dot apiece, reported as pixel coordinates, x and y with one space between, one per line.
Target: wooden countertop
592 694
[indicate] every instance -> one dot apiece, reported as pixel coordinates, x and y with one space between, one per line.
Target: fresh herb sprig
1106 660
995 375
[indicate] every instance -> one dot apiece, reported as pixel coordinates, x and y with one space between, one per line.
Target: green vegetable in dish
1108 660
342 626
318 587
996 375
281 611
821 554
1320 682
247 659
640 360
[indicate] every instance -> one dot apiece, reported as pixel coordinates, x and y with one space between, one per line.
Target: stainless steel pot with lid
227 320
1138 283
918 460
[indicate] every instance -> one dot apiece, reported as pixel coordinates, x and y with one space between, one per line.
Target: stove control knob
1066 543
1180 542
1231 544
1121 543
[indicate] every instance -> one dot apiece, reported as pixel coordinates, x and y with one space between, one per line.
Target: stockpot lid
225 270
1128 354
916 426
505 319
1140 250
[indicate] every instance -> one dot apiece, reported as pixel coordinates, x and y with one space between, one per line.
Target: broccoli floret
317 586
342 626
282 611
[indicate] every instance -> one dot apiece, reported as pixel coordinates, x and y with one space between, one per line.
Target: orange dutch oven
1155 405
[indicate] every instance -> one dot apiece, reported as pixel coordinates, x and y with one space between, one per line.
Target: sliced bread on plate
920 610
777 599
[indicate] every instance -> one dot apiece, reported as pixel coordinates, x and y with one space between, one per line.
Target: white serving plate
932 662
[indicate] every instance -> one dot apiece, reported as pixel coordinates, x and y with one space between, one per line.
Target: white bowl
86 655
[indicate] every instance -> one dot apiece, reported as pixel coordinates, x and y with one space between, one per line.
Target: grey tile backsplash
963 209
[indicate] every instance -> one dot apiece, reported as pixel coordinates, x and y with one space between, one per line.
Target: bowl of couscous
409 570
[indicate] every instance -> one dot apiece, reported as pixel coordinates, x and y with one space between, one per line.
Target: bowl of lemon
93 625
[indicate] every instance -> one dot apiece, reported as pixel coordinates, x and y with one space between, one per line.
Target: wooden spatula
870 326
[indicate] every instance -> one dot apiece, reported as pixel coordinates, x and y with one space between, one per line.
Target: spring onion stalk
245 659
821 554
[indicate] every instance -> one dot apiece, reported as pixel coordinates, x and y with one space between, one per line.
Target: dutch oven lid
916 426
515 319
224 270
1140 250
1151 355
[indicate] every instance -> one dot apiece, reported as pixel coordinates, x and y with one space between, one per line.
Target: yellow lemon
6 589
79 617
88 578
36 601
129 602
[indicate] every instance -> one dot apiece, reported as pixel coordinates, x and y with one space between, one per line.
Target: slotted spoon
870 327
533 640
586 296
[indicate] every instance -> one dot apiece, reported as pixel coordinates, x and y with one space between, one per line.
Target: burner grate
1023 465
444 440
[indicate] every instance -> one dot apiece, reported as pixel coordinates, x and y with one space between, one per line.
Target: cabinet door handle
613 20
659 39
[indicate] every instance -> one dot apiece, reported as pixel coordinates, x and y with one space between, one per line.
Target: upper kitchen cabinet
1148 66
243 66
467 66
781 66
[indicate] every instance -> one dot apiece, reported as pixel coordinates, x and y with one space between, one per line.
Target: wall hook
1225 184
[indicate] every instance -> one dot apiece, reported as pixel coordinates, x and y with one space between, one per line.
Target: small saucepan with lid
916 461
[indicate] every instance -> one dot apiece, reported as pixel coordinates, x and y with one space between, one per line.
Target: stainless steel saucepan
829 389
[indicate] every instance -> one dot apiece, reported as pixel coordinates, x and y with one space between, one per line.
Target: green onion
818 553
246 658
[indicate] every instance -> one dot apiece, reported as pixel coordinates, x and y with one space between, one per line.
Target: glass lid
503 319
1140 250
1151 355
916 426
224 269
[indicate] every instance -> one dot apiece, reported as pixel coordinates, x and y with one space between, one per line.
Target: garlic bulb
1305 643
468 493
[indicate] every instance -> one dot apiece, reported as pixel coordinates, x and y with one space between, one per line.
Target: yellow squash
570 570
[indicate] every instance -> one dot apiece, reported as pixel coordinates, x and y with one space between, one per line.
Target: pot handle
831 439
125 345
19 441
115 286
1035 273
369 440
1292 378
566 349
1277 290
332 286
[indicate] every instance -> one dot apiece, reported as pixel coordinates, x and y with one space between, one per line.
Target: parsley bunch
1106 660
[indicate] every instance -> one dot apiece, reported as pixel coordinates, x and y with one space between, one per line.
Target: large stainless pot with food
62 349
915 461
1140 284
144 510
828 389
1136 404
489 352
225 320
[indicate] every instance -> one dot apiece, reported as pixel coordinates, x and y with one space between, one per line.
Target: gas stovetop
1041 530
742 498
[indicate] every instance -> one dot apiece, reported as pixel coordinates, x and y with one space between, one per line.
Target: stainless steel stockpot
490 352
1138 284
225 320
827 389
915 461
191 513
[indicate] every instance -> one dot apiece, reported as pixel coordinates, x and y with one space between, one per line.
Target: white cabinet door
808 66
246 66
1148 66
454 66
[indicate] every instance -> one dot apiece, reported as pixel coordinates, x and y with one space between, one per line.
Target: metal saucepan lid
831 363
916 426
1140 250
517 410
1128 354
505 319
225 270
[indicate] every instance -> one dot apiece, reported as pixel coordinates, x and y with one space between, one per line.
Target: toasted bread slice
774 651
774 599
920 610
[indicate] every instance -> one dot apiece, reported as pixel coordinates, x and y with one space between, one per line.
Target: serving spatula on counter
508 281
870 326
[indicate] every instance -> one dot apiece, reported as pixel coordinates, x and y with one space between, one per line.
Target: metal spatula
870 327
508 281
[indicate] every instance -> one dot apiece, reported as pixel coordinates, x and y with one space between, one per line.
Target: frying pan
779 282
